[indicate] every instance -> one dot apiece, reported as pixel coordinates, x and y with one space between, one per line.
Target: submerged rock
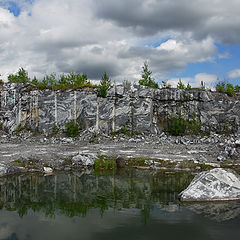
215 185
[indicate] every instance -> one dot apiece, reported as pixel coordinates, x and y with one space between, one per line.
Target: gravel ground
212 149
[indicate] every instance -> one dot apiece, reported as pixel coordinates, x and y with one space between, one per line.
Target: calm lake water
130 204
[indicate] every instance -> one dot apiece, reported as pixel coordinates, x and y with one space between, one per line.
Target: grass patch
104 162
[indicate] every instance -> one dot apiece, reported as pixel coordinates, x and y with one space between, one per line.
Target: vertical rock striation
137 107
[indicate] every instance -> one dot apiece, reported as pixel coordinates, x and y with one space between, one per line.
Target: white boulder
215 185
47 169
84 159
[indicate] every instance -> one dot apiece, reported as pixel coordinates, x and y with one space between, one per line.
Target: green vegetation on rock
20 77
105 84
72 128
180 85
227 88
64 81
104 162
146 79
177 125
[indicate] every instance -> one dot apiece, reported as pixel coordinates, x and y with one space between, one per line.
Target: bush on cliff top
65 81
147 80
20 77
104 85
227 88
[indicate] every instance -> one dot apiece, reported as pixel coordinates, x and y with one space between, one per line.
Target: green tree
104 85
230 90
35 81
227 88
180 84
147 80
220 86
20 77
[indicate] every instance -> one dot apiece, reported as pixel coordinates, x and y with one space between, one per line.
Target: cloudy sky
193 40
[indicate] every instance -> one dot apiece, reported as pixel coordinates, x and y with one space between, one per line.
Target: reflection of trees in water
73 194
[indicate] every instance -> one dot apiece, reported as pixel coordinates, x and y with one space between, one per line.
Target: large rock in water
215 185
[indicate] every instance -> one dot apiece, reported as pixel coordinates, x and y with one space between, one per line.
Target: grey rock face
215 185
140 108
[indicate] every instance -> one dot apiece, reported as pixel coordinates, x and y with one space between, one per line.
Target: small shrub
180 85
104 85
147 80
220 87
55 130
189 87
72 129
104 163
193 126
227 88
178 126
230 90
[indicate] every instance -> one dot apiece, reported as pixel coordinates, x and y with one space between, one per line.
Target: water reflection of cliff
73 194
217 211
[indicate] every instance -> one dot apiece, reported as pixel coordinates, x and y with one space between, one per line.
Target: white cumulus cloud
234 73
208 80
95 36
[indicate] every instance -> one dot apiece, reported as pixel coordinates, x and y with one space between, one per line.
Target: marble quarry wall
138 108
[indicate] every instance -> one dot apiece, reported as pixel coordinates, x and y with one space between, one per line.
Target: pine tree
105 83
147 80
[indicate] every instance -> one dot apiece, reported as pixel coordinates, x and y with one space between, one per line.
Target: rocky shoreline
28 152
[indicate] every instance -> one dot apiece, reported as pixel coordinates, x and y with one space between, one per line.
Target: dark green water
123 205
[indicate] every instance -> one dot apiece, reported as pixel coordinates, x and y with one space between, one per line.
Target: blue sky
178 38
219 66
15 7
